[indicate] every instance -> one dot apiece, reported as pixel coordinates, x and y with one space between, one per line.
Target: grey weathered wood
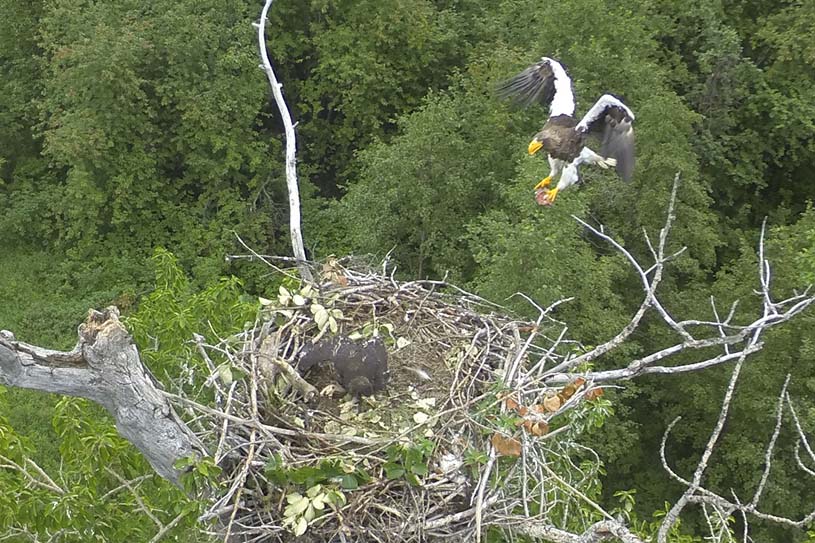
295 228
105 367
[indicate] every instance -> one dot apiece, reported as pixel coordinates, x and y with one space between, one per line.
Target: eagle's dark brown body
560 139
564 138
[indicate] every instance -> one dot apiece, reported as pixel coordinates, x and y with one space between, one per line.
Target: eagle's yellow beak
534 147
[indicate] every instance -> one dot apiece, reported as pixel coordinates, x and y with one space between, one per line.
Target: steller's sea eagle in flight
563 137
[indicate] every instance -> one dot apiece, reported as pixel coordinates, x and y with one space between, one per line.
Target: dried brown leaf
594 393
567 392
552 403
539 409
539 429
506 446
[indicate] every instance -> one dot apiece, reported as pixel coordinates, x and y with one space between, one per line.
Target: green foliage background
126 126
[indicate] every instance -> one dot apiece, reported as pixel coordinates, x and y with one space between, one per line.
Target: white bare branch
696 494
649 285
105 368
676 510
802 440
718 333
291 150
600 531
768 454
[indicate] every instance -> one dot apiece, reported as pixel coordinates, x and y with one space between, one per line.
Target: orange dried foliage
539 409
552 403
506 446
594 393
539 429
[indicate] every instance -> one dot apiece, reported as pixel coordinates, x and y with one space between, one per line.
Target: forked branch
723 508
734 341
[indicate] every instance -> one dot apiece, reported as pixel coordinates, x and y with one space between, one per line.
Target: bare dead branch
649 285
802 440
642 366
600 531
673 514
269 364
105 368
724 507
291 150
720 332
768 454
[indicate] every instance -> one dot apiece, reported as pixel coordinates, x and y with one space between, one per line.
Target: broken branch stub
105 367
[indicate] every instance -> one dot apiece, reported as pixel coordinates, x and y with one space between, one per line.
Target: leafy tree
369 62
151 129
416 194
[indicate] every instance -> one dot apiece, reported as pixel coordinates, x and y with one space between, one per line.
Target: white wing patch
587 156
598 108
563 101
571 173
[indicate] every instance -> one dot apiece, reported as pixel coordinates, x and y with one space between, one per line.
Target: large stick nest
464 436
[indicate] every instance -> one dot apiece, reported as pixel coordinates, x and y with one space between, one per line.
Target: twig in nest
268 362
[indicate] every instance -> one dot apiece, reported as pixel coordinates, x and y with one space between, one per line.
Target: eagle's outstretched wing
614 121
545 83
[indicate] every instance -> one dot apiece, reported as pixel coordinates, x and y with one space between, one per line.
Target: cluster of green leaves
327 471
169 317
309 489
302 509
409 461
85 498
199 477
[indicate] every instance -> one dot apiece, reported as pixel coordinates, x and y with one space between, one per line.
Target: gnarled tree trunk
105 368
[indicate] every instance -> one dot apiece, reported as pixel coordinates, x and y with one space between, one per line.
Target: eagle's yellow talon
543 183
551 195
